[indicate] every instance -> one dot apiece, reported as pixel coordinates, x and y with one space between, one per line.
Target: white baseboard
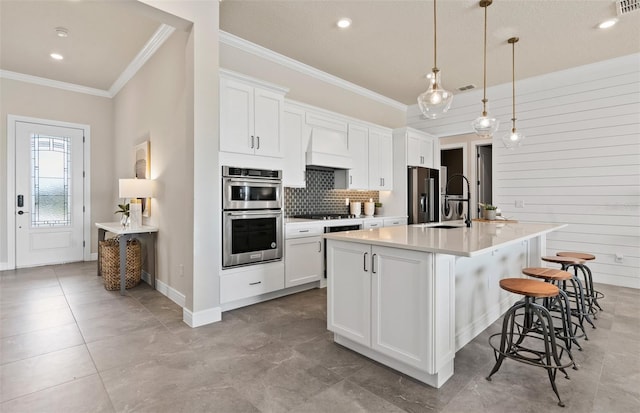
200 318
173 294
93 256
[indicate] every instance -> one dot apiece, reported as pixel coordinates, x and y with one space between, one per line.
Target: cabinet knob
258 145
252 139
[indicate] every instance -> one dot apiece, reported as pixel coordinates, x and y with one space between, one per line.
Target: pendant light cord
435 34
484 96
513 42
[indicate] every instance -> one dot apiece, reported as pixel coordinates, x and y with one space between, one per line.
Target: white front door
49 220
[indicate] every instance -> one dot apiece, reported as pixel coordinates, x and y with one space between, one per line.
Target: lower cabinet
250 281
380 297
303 260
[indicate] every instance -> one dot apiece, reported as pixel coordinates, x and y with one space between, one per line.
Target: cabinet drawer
373 223
303 231
390 222
250 283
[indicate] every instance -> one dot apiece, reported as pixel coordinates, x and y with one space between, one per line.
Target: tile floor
68 345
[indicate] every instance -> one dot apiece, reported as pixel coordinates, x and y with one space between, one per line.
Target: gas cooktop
325 216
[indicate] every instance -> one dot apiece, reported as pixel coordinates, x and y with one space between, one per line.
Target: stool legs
516 341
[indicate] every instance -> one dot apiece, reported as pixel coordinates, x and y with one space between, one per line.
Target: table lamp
134 189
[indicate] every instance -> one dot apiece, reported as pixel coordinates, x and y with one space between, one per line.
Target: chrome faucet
467 219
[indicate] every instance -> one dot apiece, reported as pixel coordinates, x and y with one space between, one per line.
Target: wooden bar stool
528 335
591 295
561 306
578 295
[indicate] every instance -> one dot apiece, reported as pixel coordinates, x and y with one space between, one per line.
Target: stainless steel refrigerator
423 191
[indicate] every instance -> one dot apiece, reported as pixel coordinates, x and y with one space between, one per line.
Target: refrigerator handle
423 202
432 188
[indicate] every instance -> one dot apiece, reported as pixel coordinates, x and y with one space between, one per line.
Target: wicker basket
110 263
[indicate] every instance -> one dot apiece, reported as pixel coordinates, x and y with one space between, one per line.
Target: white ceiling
388 49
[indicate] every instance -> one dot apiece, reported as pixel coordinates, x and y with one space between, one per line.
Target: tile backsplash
320 197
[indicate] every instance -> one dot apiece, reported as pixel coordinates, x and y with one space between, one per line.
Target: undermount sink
446 226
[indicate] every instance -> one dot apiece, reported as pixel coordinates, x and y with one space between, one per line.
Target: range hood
328 149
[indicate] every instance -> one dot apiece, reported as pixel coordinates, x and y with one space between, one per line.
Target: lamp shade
135 188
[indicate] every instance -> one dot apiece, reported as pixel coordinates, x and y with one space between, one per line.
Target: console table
126 233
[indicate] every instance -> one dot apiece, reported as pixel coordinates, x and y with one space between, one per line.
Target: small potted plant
489 211
379 210
124 210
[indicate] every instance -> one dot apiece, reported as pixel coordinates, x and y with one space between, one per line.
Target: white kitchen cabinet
380 298
393 222
380 160
349 291
303 260
250 117
419 149
293 127
358 145
250 281
373 223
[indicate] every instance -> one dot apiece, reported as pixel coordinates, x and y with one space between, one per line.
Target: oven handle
255 180
263 213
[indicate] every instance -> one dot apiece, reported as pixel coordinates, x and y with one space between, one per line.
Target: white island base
410 297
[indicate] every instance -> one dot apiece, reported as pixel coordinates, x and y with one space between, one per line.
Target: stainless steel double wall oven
251 216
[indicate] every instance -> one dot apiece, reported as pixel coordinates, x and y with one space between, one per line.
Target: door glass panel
50 181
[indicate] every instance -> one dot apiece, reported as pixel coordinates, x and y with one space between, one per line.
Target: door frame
474 170
11 183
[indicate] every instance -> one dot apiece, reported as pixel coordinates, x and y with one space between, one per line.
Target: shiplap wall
580 162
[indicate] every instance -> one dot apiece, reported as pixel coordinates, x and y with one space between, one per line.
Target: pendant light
485 125
436 100
513 139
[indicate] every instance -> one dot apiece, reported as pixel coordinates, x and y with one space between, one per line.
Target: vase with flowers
124 210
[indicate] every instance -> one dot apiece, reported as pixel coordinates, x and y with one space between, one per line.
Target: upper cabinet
419 147
293 136
380 160
251 115
358 148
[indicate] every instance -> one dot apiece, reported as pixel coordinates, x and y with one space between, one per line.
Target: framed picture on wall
142 168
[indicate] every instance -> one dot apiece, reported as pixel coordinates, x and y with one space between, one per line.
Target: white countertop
336 222
462 241
118 229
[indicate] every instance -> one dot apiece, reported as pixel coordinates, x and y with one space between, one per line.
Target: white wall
202 125
153 105
26 99
580 163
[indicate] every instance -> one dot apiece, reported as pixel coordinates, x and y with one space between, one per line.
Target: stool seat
563 260
529 288
547 273
579 255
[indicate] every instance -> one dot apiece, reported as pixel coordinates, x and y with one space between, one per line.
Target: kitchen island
410 296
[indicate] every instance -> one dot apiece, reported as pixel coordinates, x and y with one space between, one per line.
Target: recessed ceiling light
56 56
607 23
344 22
62 32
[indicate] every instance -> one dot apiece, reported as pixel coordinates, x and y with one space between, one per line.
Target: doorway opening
484 188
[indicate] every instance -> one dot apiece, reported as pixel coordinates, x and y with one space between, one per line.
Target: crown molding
6 74
248 47
149 49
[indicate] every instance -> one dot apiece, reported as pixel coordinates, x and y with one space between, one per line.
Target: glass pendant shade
436 100
485 126
512 139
